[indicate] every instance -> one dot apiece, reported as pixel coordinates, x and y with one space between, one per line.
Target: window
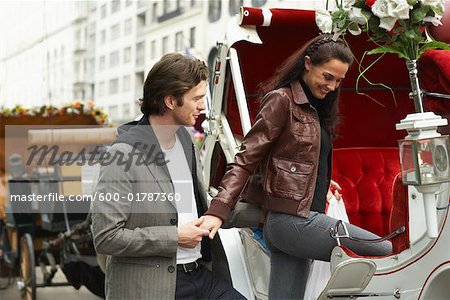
92 6
114 86
101 89
76 68
192 37
126 55
126 84
155 12
179 41
115 31
128 2
103 11
113 59
91 27
103 36
140 54
115 6
140 23
234 6
169 5
91 67
153 50
127 27
258 3
102 63
92 40
126 110
171 9
214 10
165 45
113 112
77 37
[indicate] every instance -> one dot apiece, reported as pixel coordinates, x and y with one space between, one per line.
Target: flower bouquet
395 26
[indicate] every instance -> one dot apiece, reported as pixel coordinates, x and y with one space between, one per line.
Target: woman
290 145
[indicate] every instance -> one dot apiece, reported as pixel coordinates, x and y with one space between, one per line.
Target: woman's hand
212 224
335 189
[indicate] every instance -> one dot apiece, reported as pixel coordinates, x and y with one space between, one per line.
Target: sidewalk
50 293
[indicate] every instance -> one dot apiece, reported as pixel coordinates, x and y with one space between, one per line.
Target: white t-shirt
187 209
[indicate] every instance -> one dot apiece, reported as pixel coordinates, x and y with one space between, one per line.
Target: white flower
387 23
347 4
355 30
356 15
431 2
323 21
433 20
398 9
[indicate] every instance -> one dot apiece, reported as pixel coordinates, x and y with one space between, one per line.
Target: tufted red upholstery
366 176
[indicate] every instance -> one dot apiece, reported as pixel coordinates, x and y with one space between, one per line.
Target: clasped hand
192 233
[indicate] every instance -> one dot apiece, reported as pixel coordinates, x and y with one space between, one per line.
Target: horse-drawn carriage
46 164
365 160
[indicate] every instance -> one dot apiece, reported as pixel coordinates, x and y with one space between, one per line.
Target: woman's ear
307 62
169 101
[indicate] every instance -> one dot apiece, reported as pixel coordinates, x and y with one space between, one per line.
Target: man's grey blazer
140 238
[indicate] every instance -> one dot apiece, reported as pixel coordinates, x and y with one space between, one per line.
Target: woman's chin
320 95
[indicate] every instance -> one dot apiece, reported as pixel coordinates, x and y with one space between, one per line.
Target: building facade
42 58
102 50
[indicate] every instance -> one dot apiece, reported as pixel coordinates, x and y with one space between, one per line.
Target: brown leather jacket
284 144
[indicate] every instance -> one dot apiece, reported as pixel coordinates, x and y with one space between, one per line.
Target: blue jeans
294 241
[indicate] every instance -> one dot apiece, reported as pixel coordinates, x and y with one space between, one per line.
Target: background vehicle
365 162
51 234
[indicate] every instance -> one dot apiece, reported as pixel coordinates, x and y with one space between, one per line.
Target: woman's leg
293 241
288 274
310 237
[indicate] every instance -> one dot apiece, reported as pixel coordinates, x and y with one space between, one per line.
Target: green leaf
387 49
353 26
419 14
438 10
412 2
410 34
434 45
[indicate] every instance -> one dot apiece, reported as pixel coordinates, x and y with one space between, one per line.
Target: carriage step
349 279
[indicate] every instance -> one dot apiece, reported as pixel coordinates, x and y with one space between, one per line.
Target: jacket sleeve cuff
219 209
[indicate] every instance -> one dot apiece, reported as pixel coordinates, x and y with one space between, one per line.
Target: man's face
193 103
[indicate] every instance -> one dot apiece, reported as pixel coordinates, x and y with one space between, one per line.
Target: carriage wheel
27 268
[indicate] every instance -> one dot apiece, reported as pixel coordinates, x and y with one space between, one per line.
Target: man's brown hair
173 75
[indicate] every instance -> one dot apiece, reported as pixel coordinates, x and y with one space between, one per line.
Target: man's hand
212 224
190 234
335 189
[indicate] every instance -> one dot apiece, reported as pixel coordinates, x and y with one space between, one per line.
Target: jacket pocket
302 125
292 178
143 261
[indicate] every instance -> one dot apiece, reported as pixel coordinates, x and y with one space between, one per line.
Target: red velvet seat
369 179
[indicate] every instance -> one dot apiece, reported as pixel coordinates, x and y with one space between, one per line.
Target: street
50 293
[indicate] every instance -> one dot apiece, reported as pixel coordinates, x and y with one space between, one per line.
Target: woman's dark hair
174 74
321 49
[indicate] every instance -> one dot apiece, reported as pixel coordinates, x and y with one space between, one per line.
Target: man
150 195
